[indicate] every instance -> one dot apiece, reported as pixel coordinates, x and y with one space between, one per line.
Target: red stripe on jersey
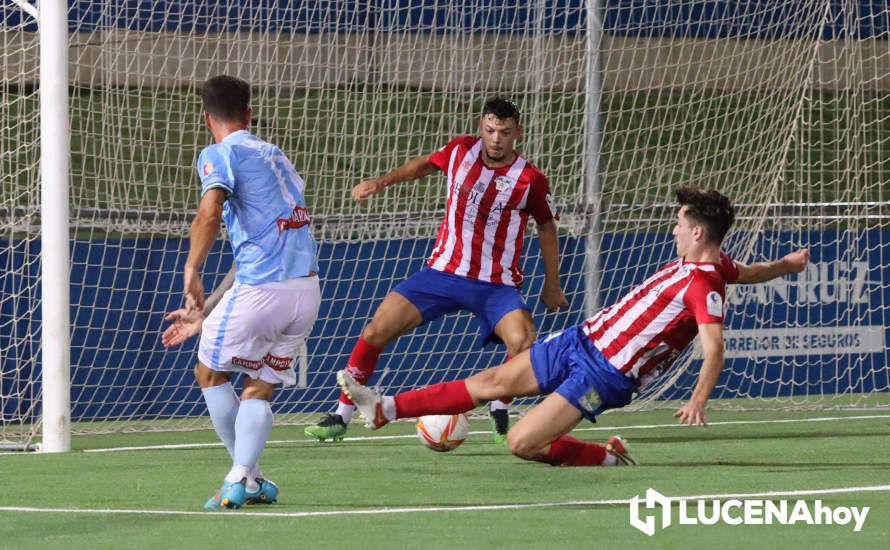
442 237
654 322
462 191
498 256
631 367
681 331
506 246
639 322
598 324
483 214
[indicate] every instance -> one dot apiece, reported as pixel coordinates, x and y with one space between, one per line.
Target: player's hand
553 297
797 260
186 323
692 413
193 291
366 188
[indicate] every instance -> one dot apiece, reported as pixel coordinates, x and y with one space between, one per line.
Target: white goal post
783 106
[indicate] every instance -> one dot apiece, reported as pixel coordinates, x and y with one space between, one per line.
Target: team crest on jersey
715 304
502 183
208 168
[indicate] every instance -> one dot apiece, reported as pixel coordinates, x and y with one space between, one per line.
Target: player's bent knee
518 345
518 341
378 334
522 446
489 384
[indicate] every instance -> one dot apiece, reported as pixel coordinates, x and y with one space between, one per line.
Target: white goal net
782 106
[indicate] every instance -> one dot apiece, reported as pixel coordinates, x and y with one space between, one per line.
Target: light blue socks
252 427
223 405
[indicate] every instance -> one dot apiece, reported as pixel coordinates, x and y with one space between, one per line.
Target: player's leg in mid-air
395 316
421 298
513 378
500 310
561 364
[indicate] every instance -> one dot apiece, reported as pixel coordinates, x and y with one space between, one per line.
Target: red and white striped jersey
486 213
649 327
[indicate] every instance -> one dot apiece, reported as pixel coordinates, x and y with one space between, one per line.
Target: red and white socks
361 365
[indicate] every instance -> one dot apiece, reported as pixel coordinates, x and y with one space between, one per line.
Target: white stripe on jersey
614 323
639 308
660 349
467 230
514 227
456 178
653 329
283 178
607 314
492 227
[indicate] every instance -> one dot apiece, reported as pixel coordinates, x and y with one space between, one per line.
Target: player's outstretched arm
693 412
552 294
760 272
188 323
413 169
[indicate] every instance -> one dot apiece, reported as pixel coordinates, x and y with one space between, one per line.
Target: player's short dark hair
708 208
227 98
502 108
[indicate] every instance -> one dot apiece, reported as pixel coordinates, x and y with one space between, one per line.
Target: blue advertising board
819 332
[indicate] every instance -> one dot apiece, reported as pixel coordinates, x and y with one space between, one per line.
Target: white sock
256 472
252 476
223 404
497 404
388 405
610 460
345 410
237 473
252 428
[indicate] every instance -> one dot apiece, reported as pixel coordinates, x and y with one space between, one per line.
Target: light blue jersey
265 212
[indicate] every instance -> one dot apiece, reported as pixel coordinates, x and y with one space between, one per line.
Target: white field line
617 429
430 509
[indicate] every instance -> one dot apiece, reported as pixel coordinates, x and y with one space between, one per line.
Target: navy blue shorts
436 293
569 364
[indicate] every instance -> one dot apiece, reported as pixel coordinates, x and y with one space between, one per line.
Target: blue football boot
230 495
266 494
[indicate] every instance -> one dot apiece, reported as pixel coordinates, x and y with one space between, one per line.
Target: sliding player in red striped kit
601 363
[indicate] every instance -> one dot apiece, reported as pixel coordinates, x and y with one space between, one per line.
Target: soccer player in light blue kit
261 321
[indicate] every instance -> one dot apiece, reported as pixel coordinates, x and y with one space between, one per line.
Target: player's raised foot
368 402
267 493
617 447
230 495
330 427
500 425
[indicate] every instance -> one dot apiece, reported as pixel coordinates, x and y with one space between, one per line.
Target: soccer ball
443 432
